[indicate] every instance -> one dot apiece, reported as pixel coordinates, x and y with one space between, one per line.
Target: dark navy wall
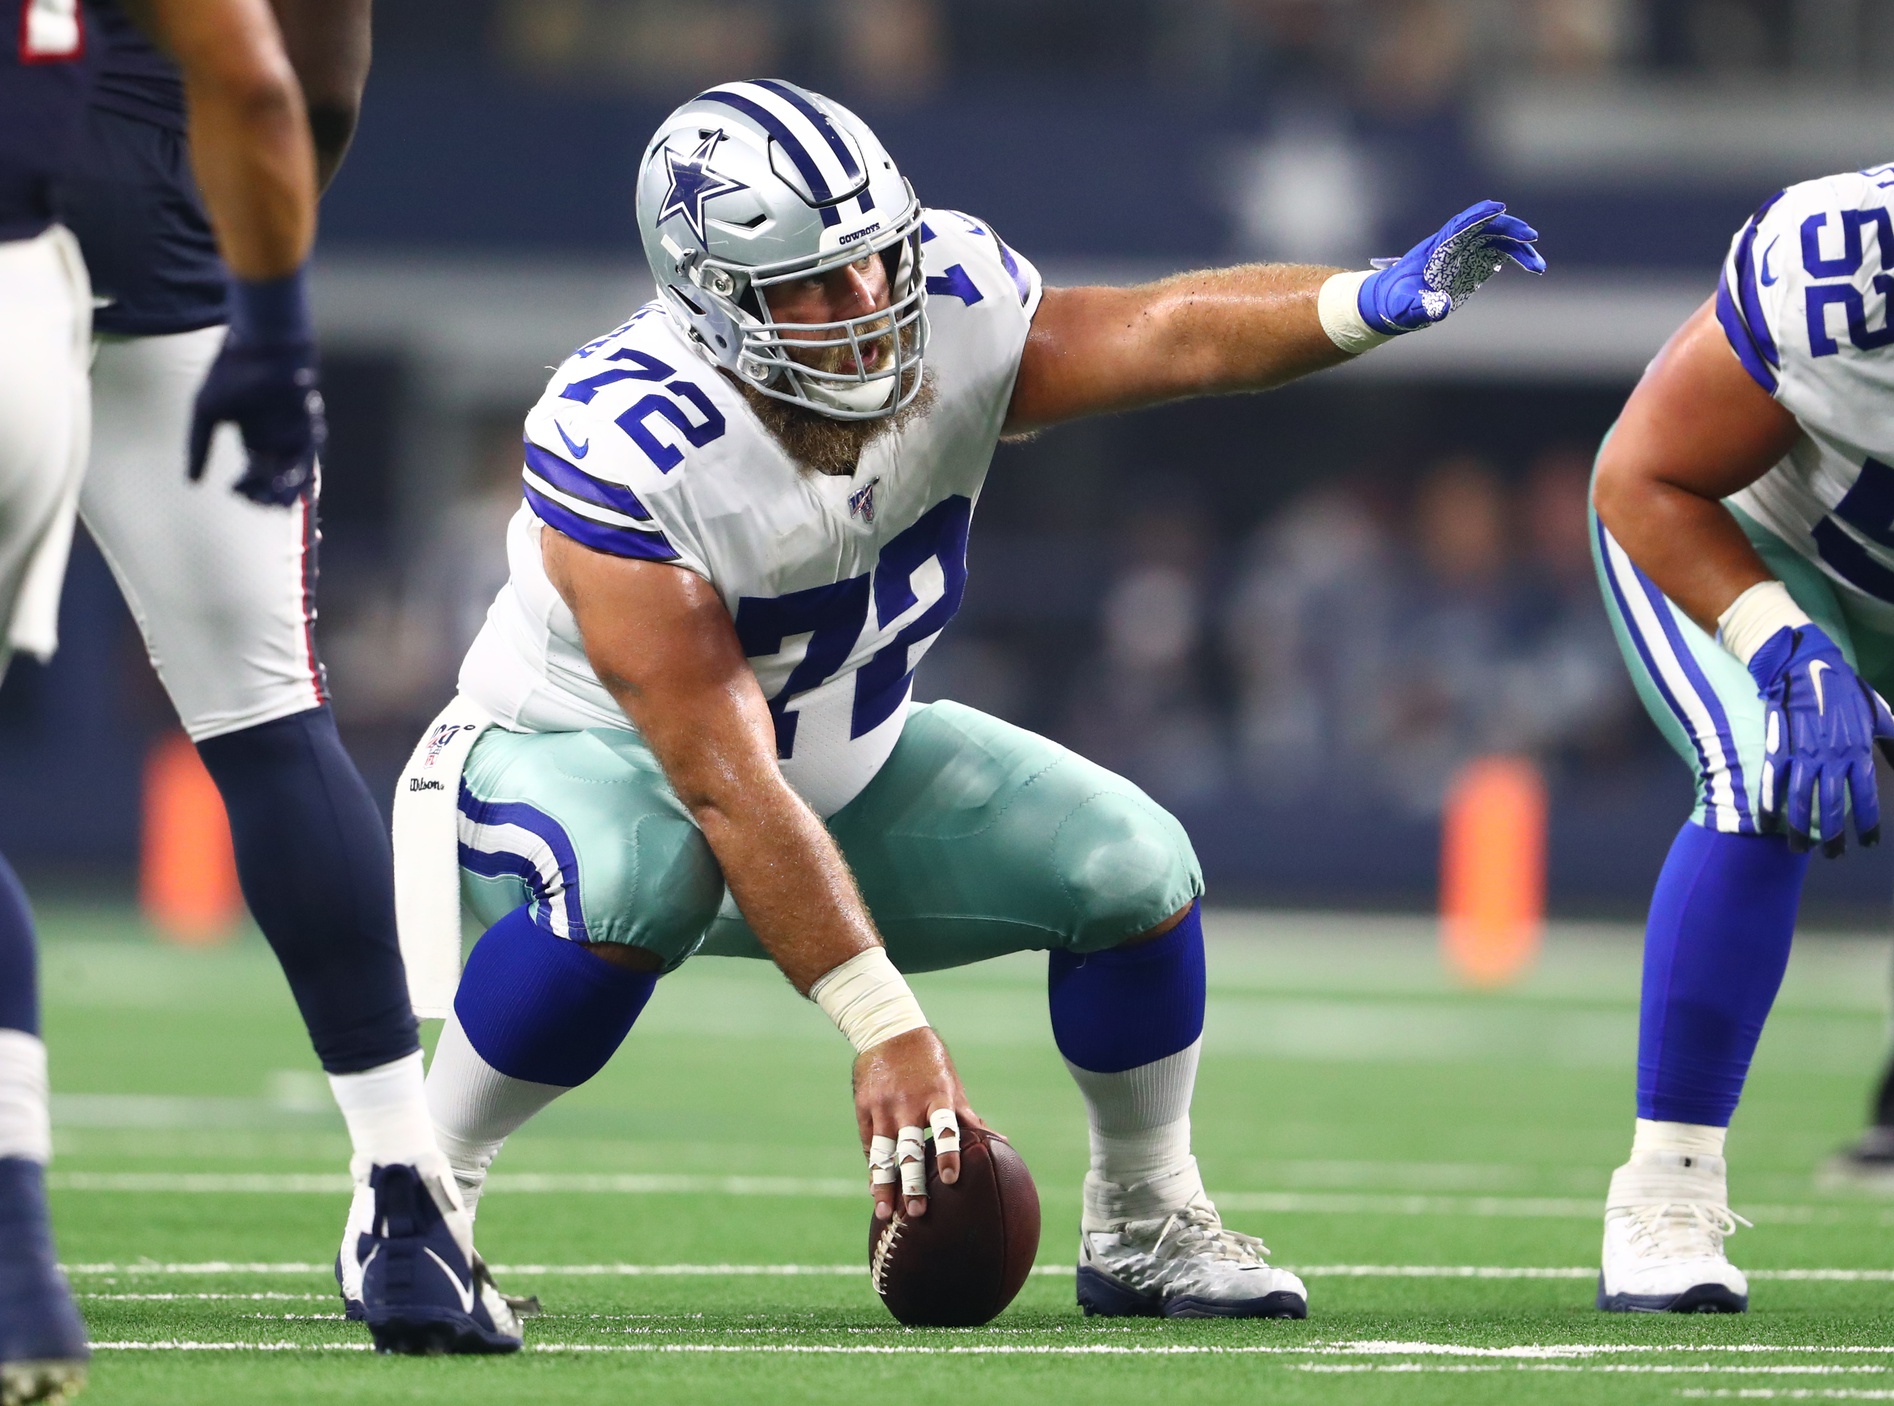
455 161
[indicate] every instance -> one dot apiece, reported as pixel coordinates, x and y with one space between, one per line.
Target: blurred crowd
1365 643
1399 54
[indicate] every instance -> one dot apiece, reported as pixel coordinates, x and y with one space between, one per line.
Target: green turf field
1433 1161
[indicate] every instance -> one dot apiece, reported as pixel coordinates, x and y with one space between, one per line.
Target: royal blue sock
314 862
1127 1006
19 975
543 1008
1722 919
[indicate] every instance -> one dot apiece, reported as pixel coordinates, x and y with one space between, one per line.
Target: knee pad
660 889
1126 864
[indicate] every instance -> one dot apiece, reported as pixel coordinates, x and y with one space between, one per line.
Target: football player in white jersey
1745 542
687 726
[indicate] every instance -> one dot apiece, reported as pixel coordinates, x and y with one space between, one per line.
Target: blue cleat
410 1273
43 1351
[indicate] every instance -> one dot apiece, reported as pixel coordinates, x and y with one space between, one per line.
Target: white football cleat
1666 1217
1185 1265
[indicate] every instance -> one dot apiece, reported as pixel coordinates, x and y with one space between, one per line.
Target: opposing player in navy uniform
250 145
687 724
212 539
45 311
1745 542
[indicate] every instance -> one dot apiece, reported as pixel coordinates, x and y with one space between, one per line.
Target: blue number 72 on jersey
834 616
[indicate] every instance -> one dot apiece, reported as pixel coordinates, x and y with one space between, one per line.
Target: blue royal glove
264 381
1820 726
1443 271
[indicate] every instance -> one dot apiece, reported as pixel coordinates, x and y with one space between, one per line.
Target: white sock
1690 1139
26 1128
1140 1131
386 1110
476 1108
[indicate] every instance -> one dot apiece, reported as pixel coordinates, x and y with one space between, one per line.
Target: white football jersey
1804 302
642 448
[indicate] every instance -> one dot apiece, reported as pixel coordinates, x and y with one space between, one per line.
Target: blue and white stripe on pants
1700 696
510 839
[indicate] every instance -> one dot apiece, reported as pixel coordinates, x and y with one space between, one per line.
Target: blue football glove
1443 271
264 381
1820 726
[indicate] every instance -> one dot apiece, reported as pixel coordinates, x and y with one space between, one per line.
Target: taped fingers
881 1163
945 1124
910 1155
946 1127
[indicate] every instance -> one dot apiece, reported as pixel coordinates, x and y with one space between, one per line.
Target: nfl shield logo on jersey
861 503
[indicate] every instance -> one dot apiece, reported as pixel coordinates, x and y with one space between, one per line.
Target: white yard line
773 1271
832 1188
1095 1350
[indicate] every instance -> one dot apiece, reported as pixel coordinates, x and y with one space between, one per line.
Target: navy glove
1820 726
1443 271
264 381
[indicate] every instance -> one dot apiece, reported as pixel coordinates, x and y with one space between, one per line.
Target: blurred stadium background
1293 617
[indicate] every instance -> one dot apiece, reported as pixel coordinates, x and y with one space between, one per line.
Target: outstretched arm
1093 351
664 646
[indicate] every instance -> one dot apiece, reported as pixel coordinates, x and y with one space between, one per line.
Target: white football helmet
751 184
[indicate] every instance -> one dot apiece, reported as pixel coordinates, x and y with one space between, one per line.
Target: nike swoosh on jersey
466 1293
1768 278
579 451
1816 679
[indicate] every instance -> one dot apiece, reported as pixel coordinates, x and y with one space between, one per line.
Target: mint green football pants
976 838
1700 695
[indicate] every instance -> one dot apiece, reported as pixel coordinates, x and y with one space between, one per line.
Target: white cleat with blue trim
1666 1218
1184 1265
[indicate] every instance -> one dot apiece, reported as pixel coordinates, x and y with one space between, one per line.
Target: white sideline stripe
1791 1394
666 1184
1057 1271
212 1298
653 1184
1079 1350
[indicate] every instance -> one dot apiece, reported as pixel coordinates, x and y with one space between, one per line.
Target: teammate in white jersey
745 522
1745 540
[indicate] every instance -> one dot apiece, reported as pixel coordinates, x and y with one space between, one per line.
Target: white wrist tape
868 1000
1340 312
1757 614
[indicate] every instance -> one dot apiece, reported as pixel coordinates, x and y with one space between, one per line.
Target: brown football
960 1264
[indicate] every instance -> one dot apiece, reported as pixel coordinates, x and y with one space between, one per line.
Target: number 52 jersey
640 447
1804 300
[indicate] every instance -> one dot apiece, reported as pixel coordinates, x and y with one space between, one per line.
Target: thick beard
825 445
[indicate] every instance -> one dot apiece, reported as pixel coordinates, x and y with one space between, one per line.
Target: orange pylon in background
1492 870
188 880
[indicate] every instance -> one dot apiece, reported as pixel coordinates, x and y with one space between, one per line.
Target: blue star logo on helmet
693 182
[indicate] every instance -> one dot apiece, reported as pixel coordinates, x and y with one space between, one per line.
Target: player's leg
978 838
43 425
223 592
1721 923
591 879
